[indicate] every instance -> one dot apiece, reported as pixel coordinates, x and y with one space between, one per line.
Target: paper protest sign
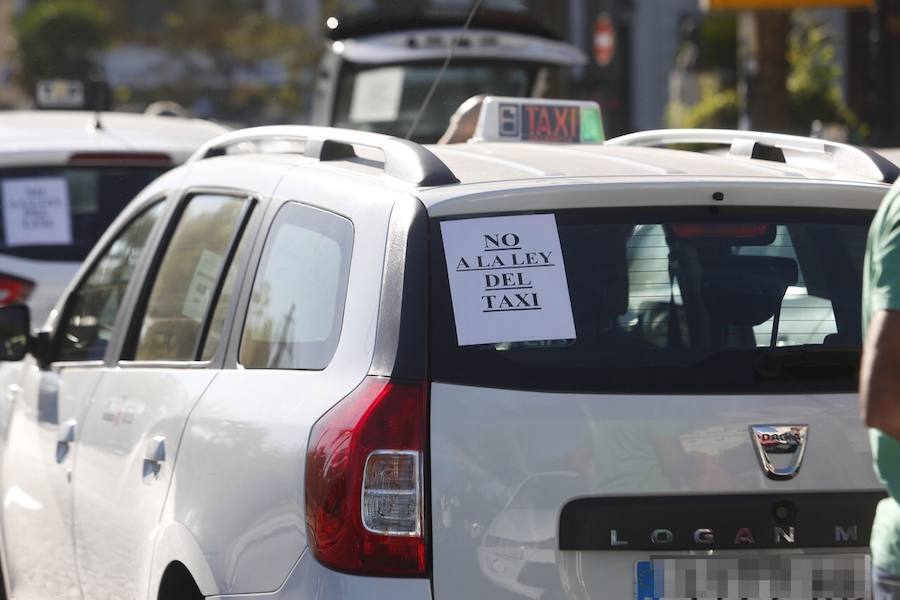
377 94
36 212
507 279
201 287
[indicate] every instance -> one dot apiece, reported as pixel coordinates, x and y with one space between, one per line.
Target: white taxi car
64 177
321 363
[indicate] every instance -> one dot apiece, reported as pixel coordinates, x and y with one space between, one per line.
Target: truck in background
376 70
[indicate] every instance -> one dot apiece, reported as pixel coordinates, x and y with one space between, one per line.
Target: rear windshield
59 213
687 300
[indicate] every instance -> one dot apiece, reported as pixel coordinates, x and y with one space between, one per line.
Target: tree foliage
716 39
60 39
813 84
815 78
717 109
236 40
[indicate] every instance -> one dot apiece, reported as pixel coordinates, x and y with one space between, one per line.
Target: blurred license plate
761 577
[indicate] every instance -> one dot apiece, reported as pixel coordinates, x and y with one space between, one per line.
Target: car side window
92 309
220 314
297 302
188 277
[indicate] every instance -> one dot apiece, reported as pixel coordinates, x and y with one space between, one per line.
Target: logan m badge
780 448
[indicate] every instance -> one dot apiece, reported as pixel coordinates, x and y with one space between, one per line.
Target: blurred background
822 67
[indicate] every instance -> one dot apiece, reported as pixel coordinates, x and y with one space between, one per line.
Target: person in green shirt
879 386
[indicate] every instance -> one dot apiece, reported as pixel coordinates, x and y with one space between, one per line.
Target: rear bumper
309 580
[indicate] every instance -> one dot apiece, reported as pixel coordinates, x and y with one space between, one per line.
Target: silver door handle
156 449
66 437
67 432
12 393
154 456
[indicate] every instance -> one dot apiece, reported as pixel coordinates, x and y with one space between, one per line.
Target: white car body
144 479
45 143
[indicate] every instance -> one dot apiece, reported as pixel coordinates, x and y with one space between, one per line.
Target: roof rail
403 160
793 150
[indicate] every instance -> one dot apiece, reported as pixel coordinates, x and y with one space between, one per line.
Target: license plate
760 577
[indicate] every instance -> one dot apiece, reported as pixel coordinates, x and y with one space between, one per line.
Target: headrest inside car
746 290
597 271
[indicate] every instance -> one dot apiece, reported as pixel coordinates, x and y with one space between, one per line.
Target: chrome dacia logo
780 448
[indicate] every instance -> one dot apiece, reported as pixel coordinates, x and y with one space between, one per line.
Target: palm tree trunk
768 99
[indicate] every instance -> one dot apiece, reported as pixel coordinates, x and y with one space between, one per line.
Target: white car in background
317 363
64 177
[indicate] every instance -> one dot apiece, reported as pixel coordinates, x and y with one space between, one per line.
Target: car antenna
100 100
440 74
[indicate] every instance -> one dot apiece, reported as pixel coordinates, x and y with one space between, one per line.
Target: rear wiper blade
772 363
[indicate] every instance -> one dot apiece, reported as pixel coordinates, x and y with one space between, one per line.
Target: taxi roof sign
504 119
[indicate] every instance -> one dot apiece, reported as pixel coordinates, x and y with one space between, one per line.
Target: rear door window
685 301
189 277
58 213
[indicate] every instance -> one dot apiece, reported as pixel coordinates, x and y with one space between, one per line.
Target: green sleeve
885 285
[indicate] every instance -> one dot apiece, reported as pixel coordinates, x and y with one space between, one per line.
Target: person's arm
879 380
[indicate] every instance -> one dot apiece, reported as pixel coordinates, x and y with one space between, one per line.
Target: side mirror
15 329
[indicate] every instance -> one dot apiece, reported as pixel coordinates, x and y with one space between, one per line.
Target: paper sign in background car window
507 280
376 95
201 287
36 212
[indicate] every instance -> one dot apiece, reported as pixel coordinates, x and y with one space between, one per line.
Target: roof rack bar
798 151
403 160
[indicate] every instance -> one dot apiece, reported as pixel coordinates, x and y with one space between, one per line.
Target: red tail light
14 290
364 481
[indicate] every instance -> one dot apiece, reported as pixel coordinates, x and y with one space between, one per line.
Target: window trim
230 347
230 255
401 338
237 334
124 307
131 334
79 364
165 364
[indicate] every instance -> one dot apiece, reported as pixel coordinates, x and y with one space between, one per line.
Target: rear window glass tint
660 313
96 195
